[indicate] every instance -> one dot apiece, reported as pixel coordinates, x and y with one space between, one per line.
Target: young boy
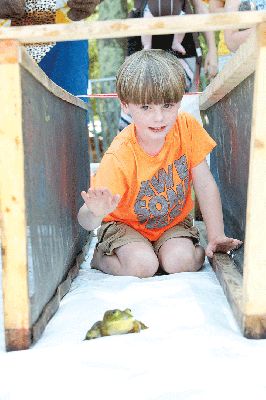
141 194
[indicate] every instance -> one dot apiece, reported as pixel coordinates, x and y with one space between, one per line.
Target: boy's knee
143 266
181 263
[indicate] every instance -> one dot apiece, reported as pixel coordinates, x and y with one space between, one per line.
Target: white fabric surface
192 350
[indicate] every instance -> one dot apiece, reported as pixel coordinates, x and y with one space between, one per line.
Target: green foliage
93 50
94 71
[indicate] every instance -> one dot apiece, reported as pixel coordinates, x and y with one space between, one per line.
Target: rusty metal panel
56 170
229 123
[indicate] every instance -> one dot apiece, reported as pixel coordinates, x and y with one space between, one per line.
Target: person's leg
176 44
181 255
177 40
121 250
189 65
146 40
132 259
67 65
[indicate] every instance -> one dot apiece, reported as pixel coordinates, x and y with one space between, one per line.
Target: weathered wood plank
53 304
229 123
44 166
231 281
254 293
234 72
12 183
247 298
228 275
133 27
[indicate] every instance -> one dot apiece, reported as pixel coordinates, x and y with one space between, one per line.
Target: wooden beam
133 27
234 72
12 205
254 279
227 274
231 281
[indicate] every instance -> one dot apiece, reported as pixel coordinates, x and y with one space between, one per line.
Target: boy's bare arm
97 204
211 208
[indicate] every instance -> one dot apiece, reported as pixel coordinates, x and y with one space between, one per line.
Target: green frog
115 322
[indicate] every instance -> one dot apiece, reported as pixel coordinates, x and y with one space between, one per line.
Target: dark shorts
112 235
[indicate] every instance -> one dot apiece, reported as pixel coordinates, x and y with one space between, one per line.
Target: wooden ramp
44 167
234 113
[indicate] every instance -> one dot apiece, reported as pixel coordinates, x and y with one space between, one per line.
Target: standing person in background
65 63
224 54
178 37
190 43
234 38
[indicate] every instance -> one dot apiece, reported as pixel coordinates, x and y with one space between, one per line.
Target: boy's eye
168 105
144 107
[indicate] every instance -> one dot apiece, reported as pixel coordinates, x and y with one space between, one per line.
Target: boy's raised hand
100 202
222 244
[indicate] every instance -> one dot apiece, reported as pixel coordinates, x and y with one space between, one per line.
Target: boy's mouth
157 129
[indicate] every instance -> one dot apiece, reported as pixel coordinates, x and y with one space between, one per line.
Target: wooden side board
234 72
12 191
246 292
51 307
44 166
254 279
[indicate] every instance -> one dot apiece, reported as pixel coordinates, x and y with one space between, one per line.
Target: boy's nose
158 115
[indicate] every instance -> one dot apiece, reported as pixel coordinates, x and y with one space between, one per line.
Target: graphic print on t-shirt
161 199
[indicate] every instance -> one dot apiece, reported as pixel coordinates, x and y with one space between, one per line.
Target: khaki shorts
112 235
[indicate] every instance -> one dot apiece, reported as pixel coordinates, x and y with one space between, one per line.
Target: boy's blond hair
151 77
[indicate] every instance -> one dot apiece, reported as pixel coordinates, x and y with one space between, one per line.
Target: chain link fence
104 114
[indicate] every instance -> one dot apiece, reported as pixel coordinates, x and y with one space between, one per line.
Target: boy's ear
124 107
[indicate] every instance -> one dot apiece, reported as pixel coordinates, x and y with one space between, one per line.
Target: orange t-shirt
155 190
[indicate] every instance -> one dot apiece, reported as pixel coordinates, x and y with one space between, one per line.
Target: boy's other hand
222 244
100 202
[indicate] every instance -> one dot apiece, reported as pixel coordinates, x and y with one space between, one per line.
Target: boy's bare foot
176 46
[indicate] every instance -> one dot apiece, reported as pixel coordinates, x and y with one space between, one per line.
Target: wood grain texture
12 205
44 166
52 306
255 255
133 27
234 72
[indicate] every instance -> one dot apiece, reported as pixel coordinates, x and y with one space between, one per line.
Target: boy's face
153 121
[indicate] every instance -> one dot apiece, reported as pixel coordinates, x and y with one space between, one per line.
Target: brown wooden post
13 223
254 278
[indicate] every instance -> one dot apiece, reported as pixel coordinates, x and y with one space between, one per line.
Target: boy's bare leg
132 259
181 255
176 45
